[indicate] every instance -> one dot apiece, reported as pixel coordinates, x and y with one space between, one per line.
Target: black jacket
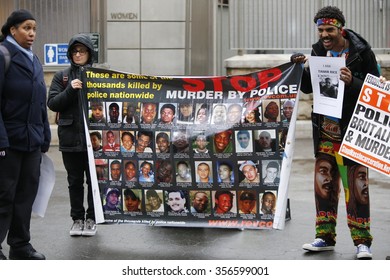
361 61
67 101
24 125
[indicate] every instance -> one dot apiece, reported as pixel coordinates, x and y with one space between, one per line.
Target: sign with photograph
328 89
189 151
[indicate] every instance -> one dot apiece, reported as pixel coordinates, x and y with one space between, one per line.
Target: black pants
19 180
76 165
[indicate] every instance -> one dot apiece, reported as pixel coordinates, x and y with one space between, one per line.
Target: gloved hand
3 153
297 58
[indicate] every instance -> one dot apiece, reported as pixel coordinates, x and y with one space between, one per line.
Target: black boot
27 254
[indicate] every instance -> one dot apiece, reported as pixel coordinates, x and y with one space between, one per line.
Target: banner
191 151
368 136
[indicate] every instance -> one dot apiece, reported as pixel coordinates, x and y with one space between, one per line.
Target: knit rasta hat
15 18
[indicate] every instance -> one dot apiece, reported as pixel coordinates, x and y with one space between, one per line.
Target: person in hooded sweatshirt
65 98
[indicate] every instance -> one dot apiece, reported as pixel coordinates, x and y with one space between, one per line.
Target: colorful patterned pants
330 172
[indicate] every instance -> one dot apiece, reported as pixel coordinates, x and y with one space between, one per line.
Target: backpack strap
7 57
65 77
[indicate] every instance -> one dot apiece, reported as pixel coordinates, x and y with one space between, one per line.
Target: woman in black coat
24 133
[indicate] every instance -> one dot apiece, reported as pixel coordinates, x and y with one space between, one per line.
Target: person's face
127 142
288 109
110 138
100 171
327 83
273 110
234 114
176 202
95 142
361 185
265 140
221 140
112 199
224 173
219 114
115 171
271 173
130 111
80 55
182 170
145 170
167 115
149 113
203 172
250 172
323 179
142 142
329 35
200 202
25 33
163 145
186 109
201 143
155 202
131 204
130 171
247 205
243 140
97 112
180 139
114 114
251 116
164 173
268 204
224 203
202 116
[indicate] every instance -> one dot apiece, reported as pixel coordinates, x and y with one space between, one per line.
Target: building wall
146 37
288 24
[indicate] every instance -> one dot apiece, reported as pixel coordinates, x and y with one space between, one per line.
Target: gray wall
194 37
288 24
58 20
146 37
157 37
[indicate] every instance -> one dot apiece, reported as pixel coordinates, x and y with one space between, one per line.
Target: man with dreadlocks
328 132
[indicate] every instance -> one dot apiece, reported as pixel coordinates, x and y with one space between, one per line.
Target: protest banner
190 151
367 138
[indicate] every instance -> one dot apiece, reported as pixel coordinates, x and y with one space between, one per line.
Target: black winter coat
67 101
361 61
24 125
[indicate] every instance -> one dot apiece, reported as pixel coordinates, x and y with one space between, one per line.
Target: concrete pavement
50 235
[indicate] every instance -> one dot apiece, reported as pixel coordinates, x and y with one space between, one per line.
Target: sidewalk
50 235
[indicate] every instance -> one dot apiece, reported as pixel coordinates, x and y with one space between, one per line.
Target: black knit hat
16 17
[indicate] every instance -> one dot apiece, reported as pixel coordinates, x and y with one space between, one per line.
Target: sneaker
363 252
77 228
318 245
89 228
